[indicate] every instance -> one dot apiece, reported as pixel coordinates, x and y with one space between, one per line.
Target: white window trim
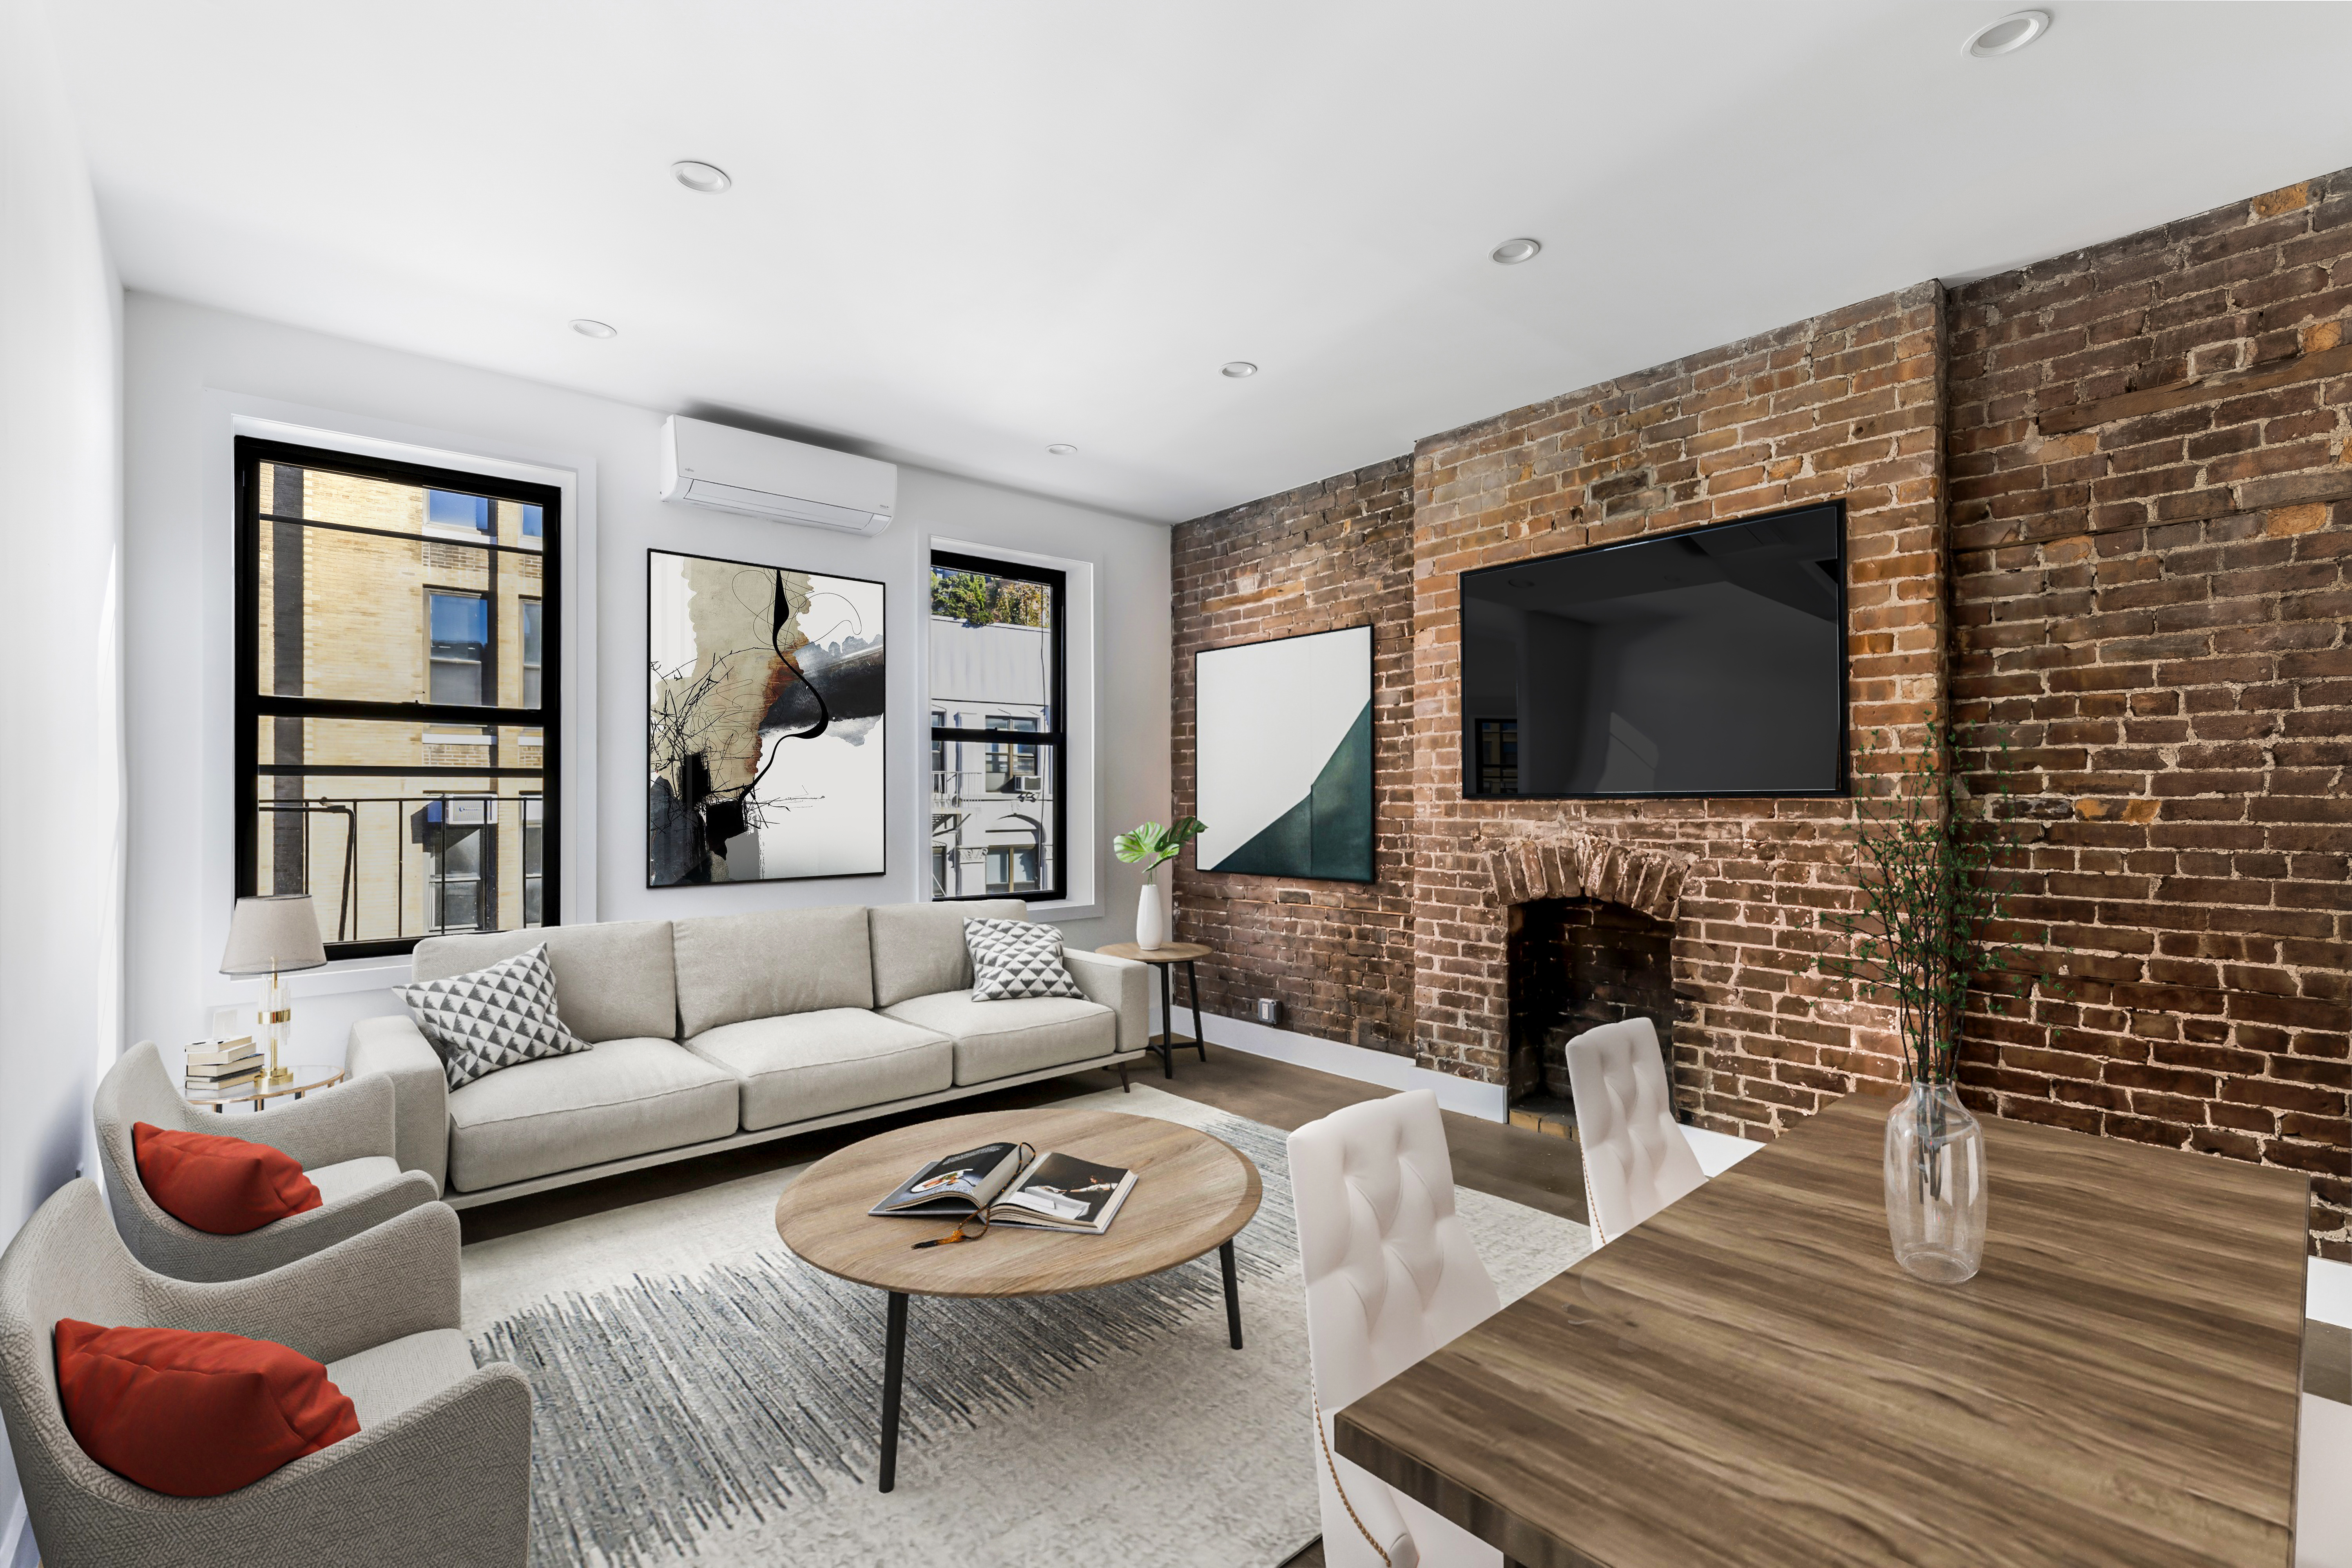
1083 845
232 414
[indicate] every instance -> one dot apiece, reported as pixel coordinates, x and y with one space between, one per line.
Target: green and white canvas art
1284 744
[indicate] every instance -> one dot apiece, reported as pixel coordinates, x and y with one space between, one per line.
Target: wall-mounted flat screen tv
1710 661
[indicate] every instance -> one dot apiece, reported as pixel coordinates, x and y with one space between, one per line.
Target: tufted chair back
1637 1160
1392 1275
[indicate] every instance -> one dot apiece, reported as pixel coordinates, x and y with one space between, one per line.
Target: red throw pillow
194 1415
225 1186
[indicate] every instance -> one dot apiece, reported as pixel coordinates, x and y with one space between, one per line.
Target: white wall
60 713
190 371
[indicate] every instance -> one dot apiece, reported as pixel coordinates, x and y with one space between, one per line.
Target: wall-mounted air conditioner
732 470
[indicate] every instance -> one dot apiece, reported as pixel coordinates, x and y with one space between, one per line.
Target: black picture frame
1372 780
882 729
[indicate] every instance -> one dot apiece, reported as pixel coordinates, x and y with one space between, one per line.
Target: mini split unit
732 470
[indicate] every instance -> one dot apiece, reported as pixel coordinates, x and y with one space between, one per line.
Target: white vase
1150 916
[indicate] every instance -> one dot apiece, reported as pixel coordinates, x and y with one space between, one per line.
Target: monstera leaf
1152 846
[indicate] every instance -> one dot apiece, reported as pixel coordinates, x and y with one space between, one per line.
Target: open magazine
1011 1183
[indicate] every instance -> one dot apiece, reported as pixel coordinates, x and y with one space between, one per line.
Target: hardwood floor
1529 1167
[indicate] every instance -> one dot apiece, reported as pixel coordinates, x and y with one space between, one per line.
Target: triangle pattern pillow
491 1018
1013 958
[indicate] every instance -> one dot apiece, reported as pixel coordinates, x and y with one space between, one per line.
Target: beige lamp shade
267 934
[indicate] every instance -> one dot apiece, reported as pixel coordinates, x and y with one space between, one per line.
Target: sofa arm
398 1278
397 1049
1121 985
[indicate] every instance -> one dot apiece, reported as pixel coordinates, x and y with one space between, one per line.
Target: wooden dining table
1748 1378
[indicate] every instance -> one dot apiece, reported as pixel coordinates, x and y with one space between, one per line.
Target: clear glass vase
1935 1185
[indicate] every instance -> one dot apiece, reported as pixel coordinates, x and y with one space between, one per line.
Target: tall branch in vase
1932 889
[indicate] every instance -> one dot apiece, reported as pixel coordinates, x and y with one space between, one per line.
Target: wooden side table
307 1075
1165 960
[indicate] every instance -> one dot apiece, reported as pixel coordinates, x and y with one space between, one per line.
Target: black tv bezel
1843 788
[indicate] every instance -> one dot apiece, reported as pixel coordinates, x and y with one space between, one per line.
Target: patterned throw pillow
1017 959
493 1017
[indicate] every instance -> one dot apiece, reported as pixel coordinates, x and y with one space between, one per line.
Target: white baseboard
1489 1101
2328 1288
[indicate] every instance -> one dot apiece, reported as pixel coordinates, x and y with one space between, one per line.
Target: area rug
702 1396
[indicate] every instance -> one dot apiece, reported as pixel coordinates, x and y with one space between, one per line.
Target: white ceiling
962 230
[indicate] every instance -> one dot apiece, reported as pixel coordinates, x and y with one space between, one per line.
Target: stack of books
215 1065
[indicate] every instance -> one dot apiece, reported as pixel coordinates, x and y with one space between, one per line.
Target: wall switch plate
1268 1010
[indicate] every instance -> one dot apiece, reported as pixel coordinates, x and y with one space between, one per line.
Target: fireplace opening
1575 963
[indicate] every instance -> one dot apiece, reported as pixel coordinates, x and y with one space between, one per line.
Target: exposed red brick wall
2151 511
2148 448
1338 955
1845 405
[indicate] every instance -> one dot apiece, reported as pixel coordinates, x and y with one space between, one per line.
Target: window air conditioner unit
732 470
1022 784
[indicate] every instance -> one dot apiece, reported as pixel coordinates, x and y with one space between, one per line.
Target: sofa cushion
625 1097
613 980
193 1414
997 1040
732 967
807 1064
384 1381
919 947
219 1184
348 1178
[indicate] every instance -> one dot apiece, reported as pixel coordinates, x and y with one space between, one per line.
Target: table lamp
274 936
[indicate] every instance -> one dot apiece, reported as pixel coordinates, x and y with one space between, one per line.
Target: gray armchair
343 1137
439 1476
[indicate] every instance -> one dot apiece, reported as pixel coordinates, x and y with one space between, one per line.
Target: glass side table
307 1075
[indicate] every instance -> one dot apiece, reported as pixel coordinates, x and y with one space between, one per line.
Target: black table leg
894 1367
1167 1020
1233 1295
1192 978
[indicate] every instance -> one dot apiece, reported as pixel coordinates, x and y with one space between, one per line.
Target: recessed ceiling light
1062 449
2008 36
588 329
707 178
1512 252
1236 370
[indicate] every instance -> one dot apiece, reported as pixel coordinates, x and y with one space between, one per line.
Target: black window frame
1056 739
253 705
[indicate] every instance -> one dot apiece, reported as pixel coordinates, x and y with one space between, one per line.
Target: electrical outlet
1268 1010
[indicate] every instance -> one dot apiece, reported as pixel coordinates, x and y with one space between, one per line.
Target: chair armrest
397 1279
325 1128
1121 985
444 1484
395 1047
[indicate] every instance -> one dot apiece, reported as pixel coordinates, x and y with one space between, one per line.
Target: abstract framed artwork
1282 748
765 735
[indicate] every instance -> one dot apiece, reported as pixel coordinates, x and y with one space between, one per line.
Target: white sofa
731 1030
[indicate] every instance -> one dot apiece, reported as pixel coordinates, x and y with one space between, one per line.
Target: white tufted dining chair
1390 1276
1637 1160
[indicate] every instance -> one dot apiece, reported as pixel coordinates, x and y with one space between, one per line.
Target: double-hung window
397 694
997 660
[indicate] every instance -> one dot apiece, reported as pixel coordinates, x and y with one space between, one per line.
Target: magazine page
956 1186
1062 1192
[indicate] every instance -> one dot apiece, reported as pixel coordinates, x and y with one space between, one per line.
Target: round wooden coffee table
1192 1193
